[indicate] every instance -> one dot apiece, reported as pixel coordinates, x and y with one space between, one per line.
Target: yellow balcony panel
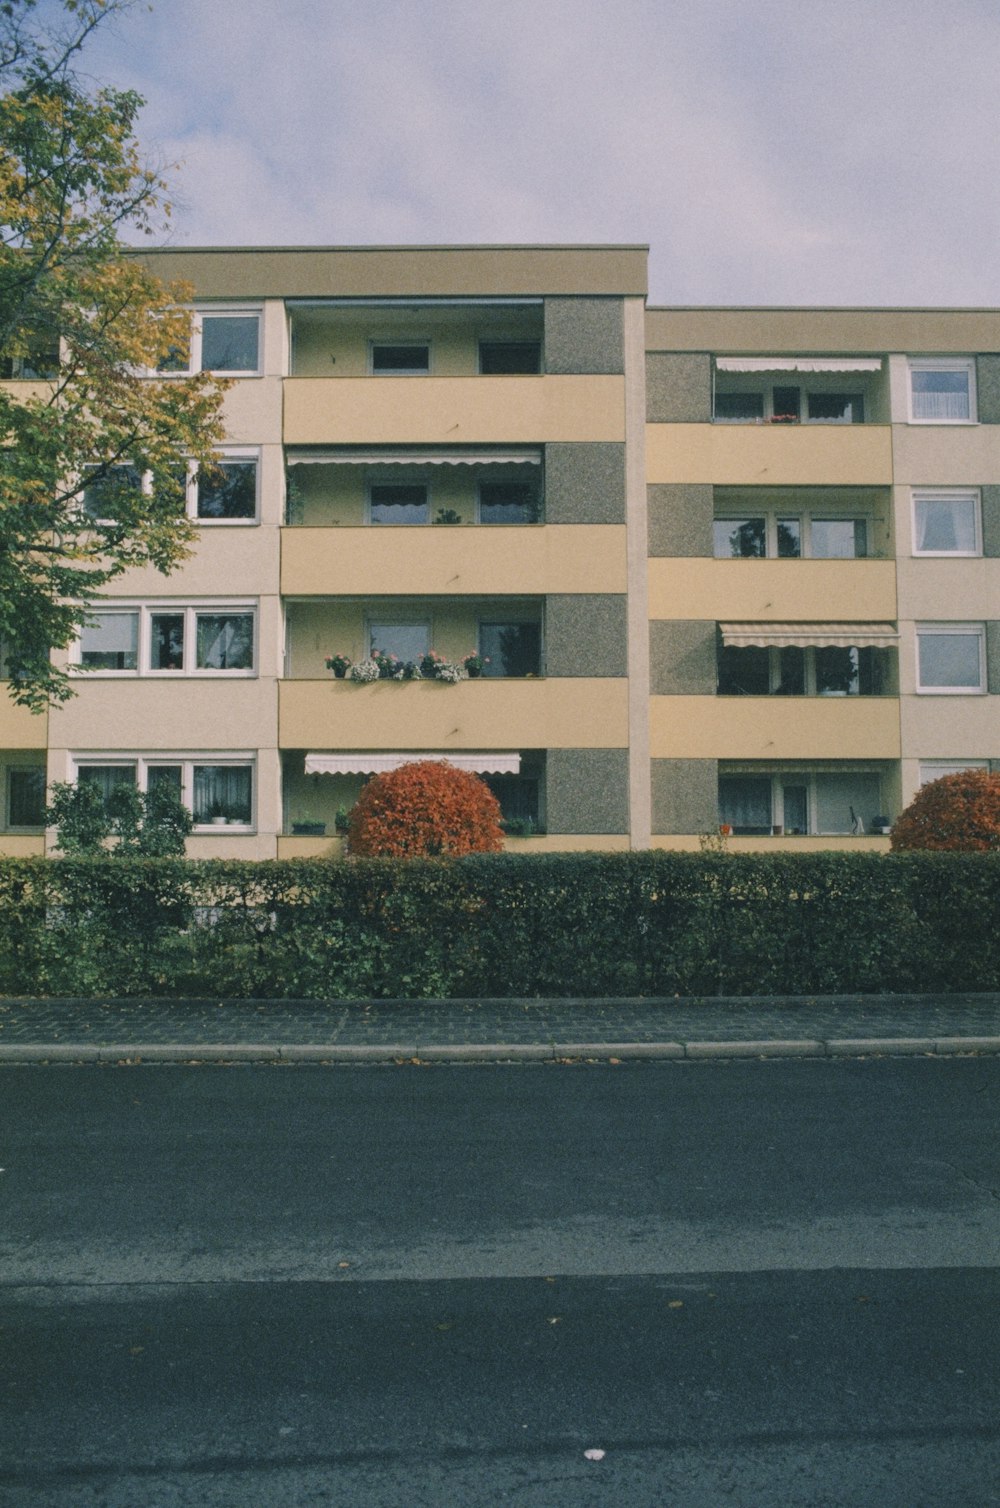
452 410
19 728
763 727
780 590
558 713
770 455
22 845
386 561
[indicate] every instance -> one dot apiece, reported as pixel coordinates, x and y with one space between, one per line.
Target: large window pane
940 393
399 503
229 342
946 525
110 642
949 661
740 538
112 493
744 672
739 408
846 803
166 641
509 356
26 797
839 538
836 408
228 490
106 777
789 539
508 502
401 360
836 671
745 803
512 649
406 641
225 641
222 791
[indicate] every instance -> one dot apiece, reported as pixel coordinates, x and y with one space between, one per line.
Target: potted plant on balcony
339 664
475 664
309 827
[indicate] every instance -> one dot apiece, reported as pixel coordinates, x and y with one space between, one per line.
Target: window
398 503
800 802
934 769
26 797
506 357
950 658
227 492
513 502
790 670
739 408
518 796
404 641
110 493
511 649
223 340
946 523
176 638
942 391
393 359
785 404
778 536
835 408
36 365
111 641
216 789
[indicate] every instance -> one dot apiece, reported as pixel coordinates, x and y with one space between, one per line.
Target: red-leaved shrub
959 814
424 809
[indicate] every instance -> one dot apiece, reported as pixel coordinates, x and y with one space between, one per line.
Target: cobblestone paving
444 1022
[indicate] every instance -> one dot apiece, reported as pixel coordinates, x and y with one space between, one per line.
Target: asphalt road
744 1283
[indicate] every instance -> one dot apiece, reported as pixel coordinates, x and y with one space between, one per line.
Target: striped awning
377 764
805 635
798 363
354 457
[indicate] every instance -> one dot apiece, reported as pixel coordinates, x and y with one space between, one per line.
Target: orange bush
422 809
959 813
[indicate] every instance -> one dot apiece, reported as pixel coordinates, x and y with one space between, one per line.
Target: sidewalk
336 1031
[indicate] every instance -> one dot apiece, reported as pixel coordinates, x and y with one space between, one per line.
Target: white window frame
964 364
804 518
807 778
231 453
143 763
191 611
224 311
964 630
946 495
934 769
401 340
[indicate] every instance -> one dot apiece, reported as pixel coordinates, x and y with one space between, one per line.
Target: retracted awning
805 635
414 458
377 764
798 363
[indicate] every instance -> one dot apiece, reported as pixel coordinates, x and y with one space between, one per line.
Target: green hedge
495 925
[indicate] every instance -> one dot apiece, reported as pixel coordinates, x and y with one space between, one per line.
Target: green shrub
500 925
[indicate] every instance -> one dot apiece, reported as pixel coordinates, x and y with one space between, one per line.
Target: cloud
768 151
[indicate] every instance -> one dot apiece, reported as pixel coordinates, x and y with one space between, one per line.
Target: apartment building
724 567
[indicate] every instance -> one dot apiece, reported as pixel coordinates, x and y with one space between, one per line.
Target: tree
959 813
83 316
147 824
425 809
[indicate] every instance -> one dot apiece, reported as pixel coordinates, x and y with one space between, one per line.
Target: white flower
364 670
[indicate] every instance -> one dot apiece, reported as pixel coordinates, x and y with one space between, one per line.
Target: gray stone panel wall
680 518
991 521
993 658
585 483
682 659
678 387
988 388
685 795
586 634
586 790
584 335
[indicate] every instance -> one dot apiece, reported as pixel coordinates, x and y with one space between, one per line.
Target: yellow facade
19 728
776 590
756 727
734 455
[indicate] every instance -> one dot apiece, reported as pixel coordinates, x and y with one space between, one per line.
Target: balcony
485 714
766 727
514 560
733 455
452 410
778 589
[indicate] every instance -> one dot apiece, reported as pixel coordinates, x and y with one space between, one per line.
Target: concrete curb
487 1052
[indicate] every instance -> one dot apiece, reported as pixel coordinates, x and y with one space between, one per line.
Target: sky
767 151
